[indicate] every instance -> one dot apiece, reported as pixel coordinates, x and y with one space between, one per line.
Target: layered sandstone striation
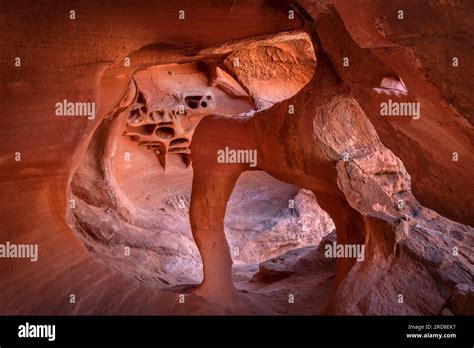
130 208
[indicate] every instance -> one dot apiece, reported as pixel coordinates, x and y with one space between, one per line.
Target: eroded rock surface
139 224
280 86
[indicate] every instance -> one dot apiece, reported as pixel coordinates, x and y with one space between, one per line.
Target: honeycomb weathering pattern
165 125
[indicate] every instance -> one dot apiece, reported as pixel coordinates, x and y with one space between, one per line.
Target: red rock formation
149 213
419 49
366 171
361 192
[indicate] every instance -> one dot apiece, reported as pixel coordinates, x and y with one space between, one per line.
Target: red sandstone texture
130 209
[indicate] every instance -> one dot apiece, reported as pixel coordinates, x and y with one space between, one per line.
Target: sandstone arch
89 64
361 193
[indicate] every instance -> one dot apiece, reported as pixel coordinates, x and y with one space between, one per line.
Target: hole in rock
179 141
141 98
134 115
165 132
193 101
147 129
177 149
132 208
